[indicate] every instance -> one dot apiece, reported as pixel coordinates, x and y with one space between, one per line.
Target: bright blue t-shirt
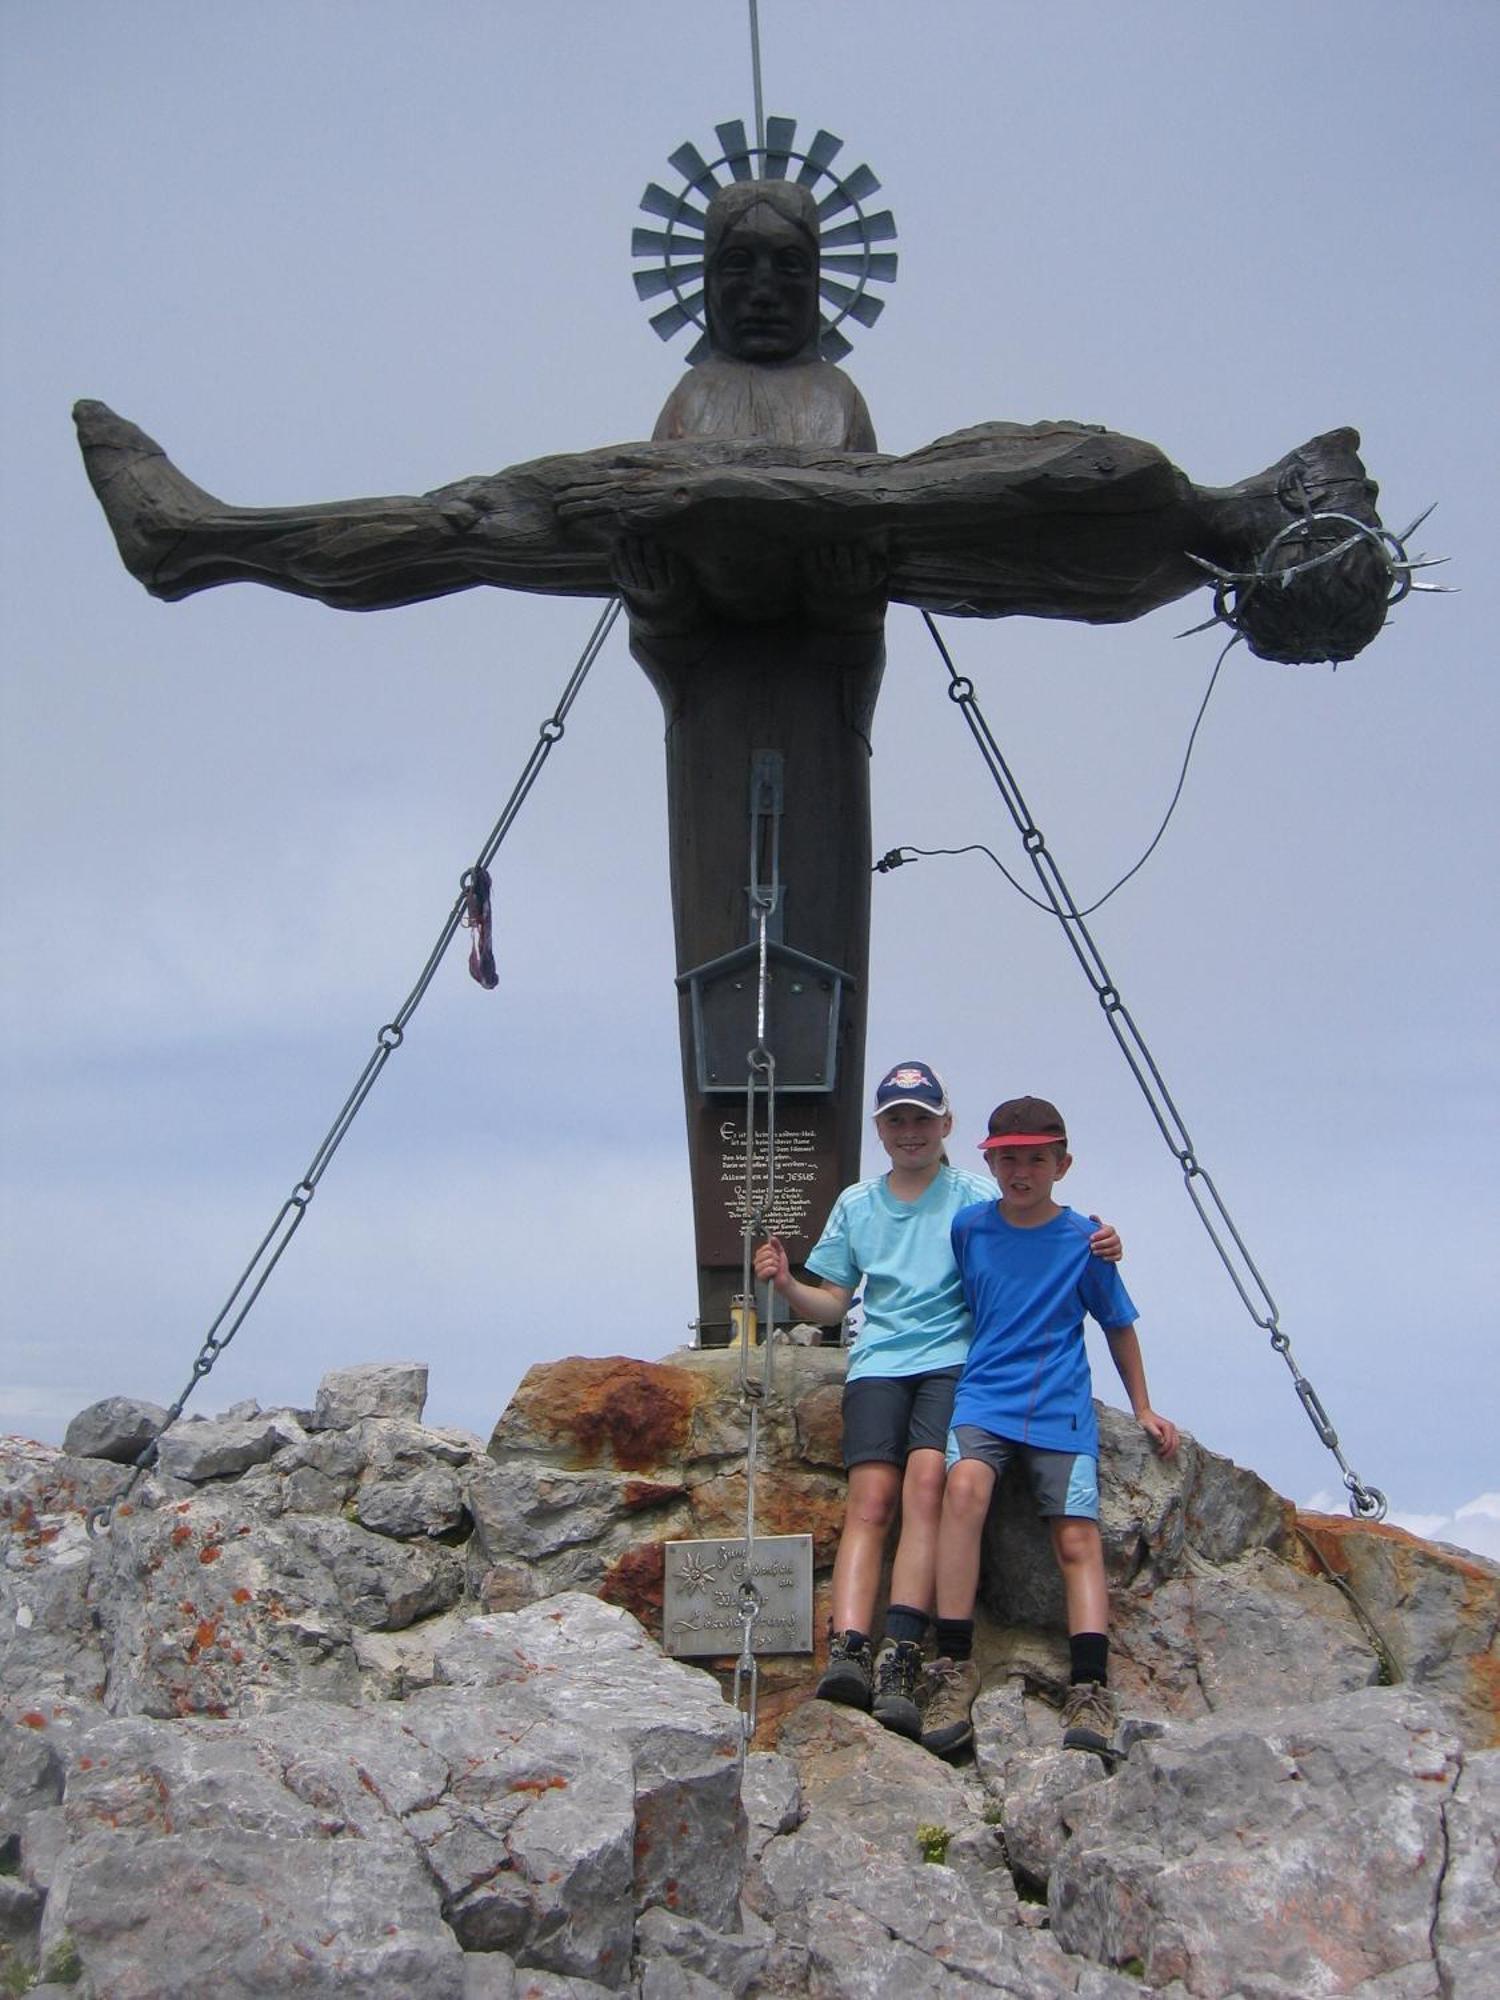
915 1319
1027 1375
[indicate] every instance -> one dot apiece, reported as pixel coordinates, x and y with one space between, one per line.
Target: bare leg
874 1490
356 555
1080 1557
966 1502
914 1571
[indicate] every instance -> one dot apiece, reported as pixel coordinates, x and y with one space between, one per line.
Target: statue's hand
657 585
844 583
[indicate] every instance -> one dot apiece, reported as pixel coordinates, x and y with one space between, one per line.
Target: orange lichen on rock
635 1581
612 1411
1436 1608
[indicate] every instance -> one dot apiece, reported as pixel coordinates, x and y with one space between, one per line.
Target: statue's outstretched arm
1049 520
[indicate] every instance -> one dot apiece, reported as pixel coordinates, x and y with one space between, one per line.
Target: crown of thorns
1327 603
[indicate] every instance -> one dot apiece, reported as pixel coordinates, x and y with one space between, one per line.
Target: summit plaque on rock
701 1602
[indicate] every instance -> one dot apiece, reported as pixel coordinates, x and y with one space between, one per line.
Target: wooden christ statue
756 541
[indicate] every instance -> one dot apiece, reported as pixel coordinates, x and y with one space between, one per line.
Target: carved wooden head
761 258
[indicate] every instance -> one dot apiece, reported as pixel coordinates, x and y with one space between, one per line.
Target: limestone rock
377 1389
341 1721
1434 1607
117 1428
220 1448
1468 1924
1329 1814
572 1658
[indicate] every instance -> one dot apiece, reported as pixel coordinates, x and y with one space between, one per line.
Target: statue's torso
788 402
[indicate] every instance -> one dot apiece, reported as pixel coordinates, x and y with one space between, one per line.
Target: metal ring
1282 1342
1368 1503
551 730
960 688
1034 840
390 1036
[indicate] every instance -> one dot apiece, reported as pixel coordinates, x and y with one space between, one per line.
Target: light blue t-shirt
915 1319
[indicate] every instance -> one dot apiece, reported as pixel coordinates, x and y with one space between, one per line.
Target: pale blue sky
325 248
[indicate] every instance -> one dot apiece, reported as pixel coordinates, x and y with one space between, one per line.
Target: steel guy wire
273 1244
1367 1502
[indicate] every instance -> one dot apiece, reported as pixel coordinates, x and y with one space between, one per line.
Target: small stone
117 1428
378 1389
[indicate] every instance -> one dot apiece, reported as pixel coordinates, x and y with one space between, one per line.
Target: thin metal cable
897 857
273 1244
1368 1502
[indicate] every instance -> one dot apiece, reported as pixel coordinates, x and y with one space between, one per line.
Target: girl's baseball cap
912 1083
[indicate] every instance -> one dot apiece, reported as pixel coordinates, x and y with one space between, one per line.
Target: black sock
955 1638
853 1638
905 1622
1090 1657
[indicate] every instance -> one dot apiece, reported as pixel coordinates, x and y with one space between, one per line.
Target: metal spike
1407 533
880 228
1223 575
656 201
832 345
694 169
781 136
736 148
700 350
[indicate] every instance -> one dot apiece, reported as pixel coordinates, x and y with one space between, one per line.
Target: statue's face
763 289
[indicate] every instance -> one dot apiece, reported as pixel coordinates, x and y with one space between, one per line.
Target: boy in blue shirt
1025 1393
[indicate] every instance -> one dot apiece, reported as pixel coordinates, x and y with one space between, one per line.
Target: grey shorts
886 1416
1063 1483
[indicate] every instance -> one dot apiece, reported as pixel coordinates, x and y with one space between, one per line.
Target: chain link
760 1086
273 1244
1366 1502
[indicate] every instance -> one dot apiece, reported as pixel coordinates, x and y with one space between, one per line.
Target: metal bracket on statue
806 998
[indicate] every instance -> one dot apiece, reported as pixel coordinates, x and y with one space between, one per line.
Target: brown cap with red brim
1025 1121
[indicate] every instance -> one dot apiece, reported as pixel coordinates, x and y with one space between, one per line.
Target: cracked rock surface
346 1704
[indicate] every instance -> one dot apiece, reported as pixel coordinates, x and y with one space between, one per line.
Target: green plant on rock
62 1966
17 1974
932 1843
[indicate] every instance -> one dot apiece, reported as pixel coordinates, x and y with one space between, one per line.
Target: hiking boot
1089 1717
898 1668
847 1678
952 1686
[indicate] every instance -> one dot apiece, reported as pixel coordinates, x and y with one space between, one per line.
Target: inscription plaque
701 1602
806 1178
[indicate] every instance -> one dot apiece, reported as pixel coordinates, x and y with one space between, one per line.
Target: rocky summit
337 1702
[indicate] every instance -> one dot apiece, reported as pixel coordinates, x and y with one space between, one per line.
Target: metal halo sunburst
848 263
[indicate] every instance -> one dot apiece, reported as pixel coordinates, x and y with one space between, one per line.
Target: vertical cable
760 109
